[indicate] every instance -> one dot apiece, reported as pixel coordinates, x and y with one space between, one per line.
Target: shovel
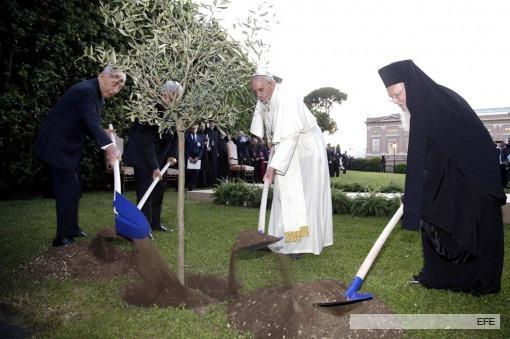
351 294
256 240
129 220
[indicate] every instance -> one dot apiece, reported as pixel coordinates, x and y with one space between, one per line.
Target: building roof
499 110
386 118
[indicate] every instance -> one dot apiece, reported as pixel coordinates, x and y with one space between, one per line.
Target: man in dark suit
147 152
194 146
214 140
61 140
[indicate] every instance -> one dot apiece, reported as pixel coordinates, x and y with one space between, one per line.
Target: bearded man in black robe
455 201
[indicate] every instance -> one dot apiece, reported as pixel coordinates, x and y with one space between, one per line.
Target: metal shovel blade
357 299
129 221
253 240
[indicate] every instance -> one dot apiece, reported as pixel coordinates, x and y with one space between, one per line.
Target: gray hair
113 72
172 87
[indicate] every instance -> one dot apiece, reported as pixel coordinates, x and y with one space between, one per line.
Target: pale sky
461 44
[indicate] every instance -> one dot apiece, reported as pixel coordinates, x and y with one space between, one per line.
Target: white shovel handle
116 167
379 243
263 206
151 187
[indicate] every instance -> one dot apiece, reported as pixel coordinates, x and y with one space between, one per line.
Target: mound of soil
151 282
289 312
99 260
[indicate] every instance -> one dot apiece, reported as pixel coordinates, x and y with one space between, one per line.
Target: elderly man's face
111 84
397 94
263 89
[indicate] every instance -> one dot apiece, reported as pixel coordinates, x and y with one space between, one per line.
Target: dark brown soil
282 312
252 239
100 259
288 312
156 283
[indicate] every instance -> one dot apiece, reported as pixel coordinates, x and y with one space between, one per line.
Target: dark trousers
336 169
213 162
67 188
191 179
504 175
152 207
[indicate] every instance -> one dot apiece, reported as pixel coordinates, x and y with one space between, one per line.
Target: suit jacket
146 149
76 114
193 148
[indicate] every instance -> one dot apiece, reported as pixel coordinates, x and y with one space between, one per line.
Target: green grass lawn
91 309
370 178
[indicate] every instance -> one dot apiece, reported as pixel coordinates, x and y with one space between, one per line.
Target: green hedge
356 187
400 168
365 164
42 43
242 194
239 193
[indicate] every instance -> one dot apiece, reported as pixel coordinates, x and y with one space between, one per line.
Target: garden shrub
392 187
365 164
357 187
239 193
374 205
400 168
341 202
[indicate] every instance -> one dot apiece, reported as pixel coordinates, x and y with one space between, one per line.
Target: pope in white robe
301 212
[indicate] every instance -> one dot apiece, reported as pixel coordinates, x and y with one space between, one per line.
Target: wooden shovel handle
263 206
151 187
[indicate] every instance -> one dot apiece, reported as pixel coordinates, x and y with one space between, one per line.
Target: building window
392 130
376 145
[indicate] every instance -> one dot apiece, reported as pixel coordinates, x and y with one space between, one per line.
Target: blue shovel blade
351 296
130 221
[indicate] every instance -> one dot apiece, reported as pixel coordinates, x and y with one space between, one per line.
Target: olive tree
177 40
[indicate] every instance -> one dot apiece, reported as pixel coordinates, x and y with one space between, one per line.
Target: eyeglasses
395 97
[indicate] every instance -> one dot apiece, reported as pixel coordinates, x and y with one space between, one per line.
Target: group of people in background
503 154
337 160
208 143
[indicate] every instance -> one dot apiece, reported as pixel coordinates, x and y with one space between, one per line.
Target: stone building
385 134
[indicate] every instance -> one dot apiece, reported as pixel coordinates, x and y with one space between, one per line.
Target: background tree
320 101
177 40
41 42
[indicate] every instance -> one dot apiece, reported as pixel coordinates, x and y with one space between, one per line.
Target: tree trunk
180 202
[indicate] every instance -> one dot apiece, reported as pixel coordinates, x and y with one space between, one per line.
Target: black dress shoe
160 228
80 234
62 242
415 280
296 256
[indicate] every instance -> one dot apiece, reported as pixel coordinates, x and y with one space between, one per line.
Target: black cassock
204 175
223 162
454 196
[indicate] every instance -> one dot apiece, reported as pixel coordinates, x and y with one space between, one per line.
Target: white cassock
301 212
